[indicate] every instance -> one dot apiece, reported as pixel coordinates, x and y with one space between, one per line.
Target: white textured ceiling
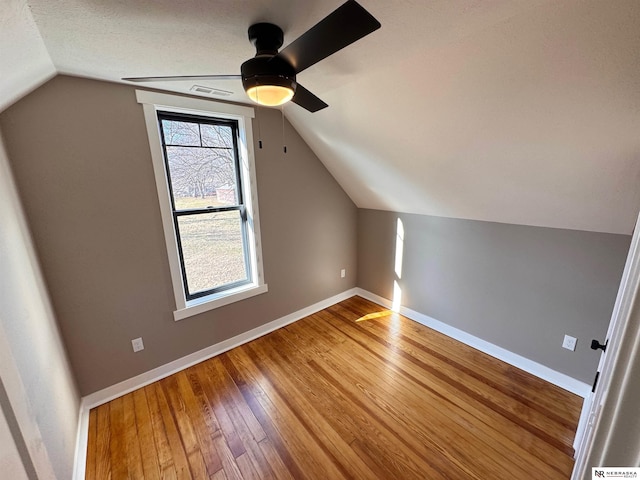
24 60
523 112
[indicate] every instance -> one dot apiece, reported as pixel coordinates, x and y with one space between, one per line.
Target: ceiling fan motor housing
267 69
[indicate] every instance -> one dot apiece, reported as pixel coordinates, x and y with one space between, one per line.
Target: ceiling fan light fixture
270 90
270 95
268 80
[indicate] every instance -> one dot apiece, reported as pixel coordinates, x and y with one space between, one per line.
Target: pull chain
259 125
259 128
284 145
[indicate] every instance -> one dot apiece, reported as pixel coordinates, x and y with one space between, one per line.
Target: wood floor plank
197 417
212 387
102 445
353 391
178 454
226 457
144 429
219 475
118 445
242 414
188 438
247 469
134 456
160 440
277 466
169 473
242 417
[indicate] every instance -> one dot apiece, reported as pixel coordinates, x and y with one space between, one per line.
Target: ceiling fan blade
307 100
347 24
174 78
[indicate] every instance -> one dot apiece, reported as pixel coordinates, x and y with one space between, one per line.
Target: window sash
177 213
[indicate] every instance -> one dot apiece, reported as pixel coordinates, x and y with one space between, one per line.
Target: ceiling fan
269 78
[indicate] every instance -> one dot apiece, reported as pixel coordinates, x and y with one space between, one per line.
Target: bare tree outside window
200 159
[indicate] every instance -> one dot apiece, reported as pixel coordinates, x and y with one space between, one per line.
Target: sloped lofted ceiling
523 112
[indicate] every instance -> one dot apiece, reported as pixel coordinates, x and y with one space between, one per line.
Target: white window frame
153 102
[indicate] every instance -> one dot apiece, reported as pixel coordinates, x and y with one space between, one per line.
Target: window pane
202 177
213 251
181 133
220 136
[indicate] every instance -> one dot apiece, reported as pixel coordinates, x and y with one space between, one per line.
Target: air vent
211 91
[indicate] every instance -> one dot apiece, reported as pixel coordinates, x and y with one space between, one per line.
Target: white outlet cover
343 273
137 344
569 343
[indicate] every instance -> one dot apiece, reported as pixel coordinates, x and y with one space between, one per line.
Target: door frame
596 427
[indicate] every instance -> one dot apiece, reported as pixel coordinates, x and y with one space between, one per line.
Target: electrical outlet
569 343
343 273
137 344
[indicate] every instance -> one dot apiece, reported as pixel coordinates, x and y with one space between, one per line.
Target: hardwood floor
354 391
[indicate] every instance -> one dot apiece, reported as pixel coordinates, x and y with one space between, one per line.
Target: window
203 163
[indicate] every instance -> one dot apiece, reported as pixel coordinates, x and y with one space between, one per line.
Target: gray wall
521 288
81 160
38 396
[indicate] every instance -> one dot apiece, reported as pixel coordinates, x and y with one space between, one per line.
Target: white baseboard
107 394
582 423
560 379
82 441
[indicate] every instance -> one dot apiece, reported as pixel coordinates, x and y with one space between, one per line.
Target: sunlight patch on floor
372 316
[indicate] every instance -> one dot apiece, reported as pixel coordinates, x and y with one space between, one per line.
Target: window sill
204 304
